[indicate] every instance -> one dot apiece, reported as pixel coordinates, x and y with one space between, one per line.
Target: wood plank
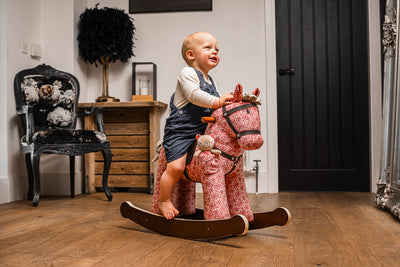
125 168
332 229
134 141
130 104
126 115
271 246
367 245
89 123
126 128
318 239
141 181
154 138
80 254
137 154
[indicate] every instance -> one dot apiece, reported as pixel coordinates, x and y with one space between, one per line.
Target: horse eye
248 111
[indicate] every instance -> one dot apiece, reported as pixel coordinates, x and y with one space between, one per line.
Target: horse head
241 119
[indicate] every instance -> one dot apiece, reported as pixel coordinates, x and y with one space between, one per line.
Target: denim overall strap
184 123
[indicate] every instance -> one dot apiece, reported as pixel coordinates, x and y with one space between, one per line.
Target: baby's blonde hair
188 43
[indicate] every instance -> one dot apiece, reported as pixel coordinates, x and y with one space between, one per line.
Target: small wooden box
142 97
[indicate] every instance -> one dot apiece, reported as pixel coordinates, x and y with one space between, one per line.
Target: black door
323 119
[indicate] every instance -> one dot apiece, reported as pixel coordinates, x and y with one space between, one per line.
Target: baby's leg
168 180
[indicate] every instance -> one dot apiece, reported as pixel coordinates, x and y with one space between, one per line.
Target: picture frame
144 78
388 186
157 6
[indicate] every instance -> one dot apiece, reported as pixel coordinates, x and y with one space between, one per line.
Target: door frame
375 95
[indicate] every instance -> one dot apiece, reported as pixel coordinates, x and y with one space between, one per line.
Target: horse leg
214 197
211 175
183 195
162 165
238 200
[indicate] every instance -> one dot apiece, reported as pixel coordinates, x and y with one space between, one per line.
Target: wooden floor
327 229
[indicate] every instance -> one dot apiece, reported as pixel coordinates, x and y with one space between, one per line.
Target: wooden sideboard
133 129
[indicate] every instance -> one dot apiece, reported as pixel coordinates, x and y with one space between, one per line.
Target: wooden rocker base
195 227
280 216
185 228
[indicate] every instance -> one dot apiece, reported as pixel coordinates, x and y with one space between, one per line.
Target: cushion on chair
52 100
55 136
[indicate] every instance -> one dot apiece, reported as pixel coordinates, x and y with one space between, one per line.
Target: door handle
286 71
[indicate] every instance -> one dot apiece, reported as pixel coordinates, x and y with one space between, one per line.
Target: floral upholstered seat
47 101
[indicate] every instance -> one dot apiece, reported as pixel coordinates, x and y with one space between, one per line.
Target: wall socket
31 48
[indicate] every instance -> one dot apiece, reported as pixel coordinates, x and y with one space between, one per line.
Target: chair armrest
98 111
26 112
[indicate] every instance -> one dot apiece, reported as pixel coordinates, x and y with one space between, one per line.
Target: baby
195 96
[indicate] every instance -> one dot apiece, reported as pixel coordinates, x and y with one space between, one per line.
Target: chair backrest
52 94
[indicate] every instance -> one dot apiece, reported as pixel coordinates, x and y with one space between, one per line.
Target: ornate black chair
47 102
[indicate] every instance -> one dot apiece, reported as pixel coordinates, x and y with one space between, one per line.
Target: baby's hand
226 99
222 101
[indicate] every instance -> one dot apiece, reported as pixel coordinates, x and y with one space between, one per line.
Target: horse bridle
227 113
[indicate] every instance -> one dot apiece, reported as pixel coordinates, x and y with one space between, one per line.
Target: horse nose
251 141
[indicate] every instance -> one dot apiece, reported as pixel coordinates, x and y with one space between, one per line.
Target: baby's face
205 50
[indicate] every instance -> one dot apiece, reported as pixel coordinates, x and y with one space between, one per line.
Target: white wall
240 31
56 33
375 86
246 36
23 23
4 181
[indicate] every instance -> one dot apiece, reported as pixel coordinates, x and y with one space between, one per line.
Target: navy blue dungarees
183 124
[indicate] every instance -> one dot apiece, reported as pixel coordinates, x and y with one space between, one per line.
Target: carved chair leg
35 160
107 163
30 175
72 174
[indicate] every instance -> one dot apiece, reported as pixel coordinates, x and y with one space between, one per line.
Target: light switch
24 47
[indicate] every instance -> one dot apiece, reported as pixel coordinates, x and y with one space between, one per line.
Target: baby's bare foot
168 210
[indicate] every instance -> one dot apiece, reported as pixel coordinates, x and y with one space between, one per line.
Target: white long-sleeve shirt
188 90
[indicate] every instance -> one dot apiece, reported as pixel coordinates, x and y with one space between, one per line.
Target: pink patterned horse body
236 128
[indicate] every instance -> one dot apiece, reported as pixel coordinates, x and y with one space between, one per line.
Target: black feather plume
105 32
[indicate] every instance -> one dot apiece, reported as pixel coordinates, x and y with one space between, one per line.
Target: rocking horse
227 211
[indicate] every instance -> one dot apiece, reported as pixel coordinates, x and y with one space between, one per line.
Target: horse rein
226 113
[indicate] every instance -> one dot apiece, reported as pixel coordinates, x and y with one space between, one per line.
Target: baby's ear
197 136
190 55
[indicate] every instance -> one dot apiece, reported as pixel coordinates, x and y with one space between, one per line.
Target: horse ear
238 94
256 92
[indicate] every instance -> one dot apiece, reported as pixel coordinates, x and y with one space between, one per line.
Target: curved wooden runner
185 228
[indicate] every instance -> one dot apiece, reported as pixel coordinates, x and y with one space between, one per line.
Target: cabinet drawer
130 128
124 168
124 181
124 154
117 141
124 115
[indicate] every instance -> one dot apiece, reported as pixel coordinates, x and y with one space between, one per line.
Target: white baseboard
51 184
4 191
